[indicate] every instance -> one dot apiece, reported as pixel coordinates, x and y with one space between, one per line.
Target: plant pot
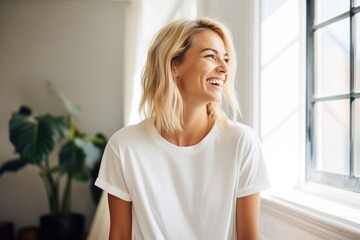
61 228
6 230
29 233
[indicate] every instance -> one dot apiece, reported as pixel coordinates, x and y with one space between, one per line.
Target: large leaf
35 138
100 141
70 107
72 161
12 165
92 153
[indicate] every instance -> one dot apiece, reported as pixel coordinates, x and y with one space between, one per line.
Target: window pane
331 132
357 53
356 3
326 9
357 139
332 59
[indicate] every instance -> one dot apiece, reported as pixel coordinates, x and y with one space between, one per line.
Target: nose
222 66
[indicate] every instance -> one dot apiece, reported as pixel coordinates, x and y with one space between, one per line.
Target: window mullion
332 20
310 165
352 89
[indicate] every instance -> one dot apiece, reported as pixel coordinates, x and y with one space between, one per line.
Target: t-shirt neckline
184 149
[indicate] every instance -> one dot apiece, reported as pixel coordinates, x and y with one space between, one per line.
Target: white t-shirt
183 192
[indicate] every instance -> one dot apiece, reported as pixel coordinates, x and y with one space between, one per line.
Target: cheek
193 74
185 74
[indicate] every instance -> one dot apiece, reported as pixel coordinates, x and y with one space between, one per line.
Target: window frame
349 181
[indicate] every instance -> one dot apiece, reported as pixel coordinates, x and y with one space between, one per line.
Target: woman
186 171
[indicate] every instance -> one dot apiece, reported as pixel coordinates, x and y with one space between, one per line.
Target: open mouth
216 82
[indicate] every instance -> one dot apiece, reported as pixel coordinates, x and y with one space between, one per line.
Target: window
333 93
282 126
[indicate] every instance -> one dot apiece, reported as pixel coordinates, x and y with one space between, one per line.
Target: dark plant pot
28 233
60 228
6 230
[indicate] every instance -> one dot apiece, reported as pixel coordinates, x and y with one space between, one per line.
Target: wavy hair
161 101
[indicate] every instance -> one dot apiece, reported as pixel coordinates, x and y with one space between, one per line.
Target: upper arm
120 218
247 217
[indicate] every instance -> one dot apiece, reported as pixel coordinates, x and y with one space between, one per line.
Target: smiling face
203 71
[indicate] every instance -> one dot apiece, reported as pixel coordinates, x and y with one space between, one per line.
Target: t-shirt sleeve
252 172
111 174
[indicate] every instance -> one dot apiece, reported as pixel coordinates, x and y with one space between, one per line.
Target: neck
197 124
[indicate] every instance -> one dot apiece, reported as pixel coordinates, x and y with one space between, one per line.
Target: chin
215 99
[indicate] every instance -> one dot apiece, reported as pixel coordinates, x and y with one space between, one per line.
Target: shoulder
129 134
240 131
238 135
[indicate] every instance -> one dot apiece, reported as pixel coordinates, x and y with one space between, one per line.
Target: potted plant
35 139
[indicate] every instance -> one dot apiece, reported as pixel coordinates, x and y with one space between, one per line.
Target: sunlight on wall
280 83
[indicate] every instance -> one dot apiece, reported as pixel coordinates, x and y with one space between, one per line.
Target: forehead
207 39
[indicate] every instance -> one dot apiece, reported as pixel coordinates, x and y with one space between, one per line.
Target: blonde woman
187 171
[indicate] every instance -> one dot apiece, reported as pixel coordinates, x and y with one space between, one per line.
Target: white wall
78 45
281 79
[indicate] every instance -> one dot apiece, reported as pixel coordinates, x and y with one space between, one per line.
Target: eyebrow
213 50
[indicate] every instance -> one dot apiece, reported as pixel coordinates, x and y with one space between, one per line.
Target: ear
175 69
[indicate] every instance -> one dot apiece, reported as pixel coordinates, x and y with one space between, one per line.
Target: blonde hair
161 101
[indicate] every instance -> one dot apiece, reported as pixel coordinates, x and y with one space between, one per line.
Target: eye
212 56
226 60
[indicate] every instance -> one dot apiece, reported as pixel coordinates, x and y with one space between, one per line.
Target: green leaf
72 161
70 107
25 110
100 142
35 138
92 153
12 165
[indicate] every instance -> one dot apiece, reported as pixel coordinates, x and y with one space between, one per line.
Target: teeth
216 82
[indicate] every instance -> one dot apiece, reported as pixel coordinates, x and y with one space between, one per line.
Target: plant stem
72 127
52 189
66 203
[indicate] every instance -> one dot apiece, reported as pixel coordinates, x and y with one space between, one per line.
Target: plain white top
183 192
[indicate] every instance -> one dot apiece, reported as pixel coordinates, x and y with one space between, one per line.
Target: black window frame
350 181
